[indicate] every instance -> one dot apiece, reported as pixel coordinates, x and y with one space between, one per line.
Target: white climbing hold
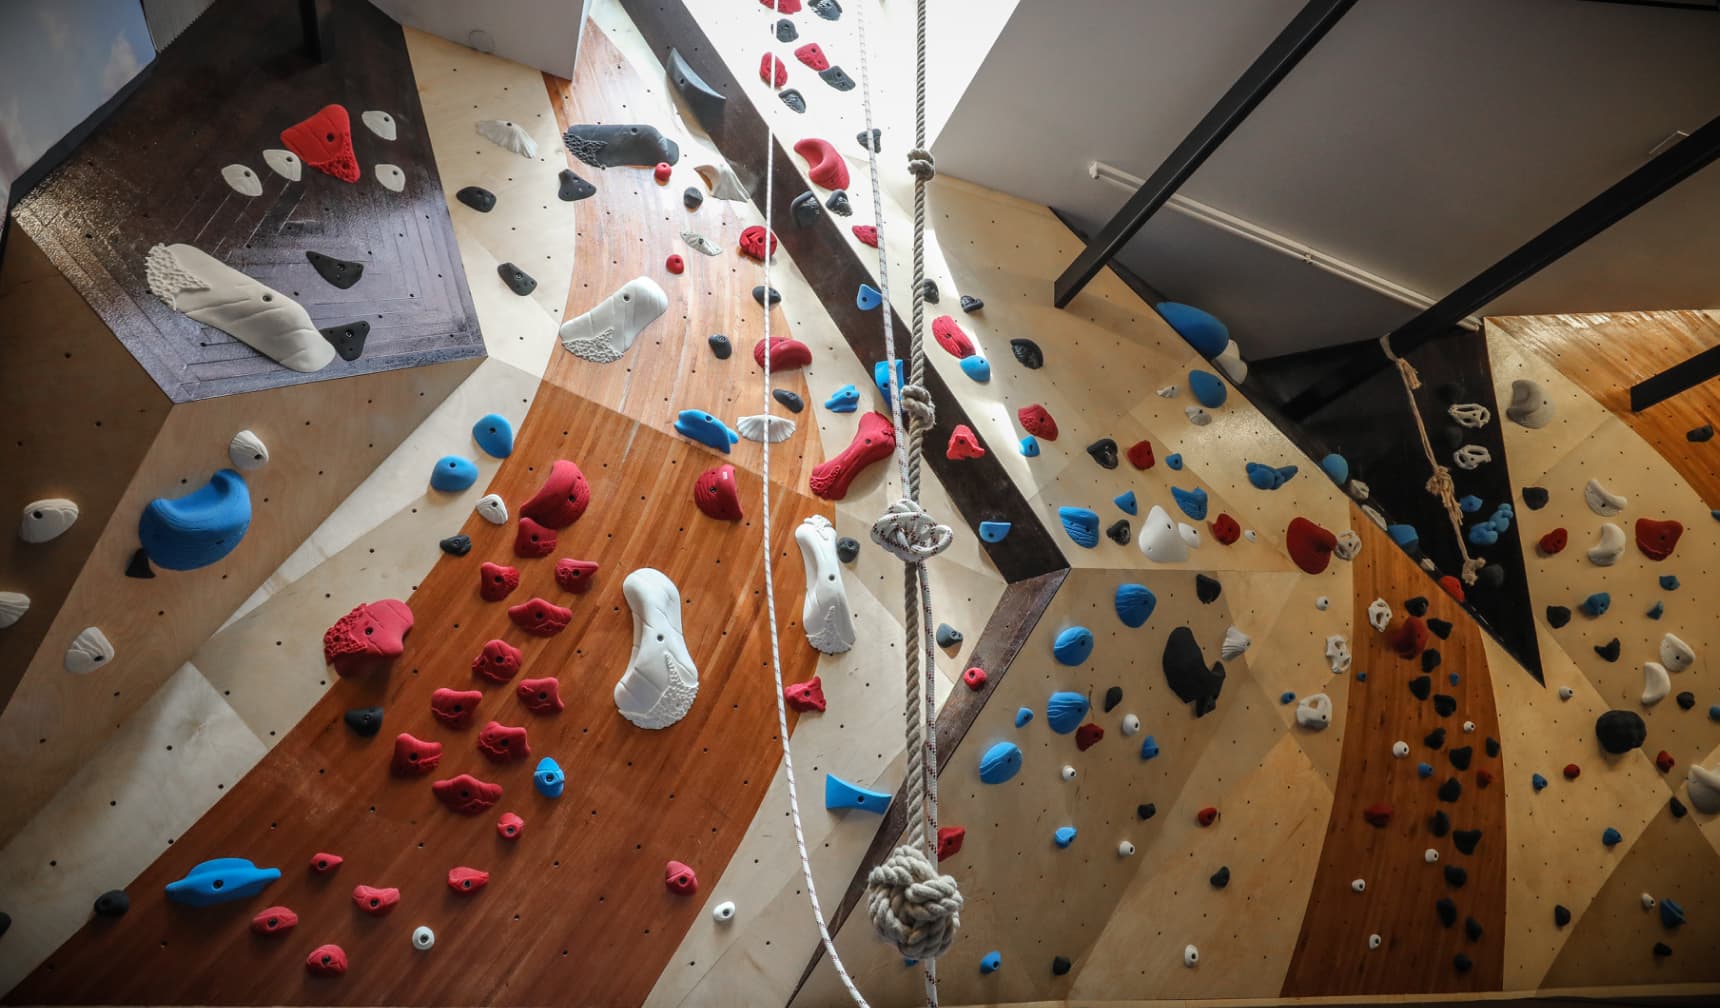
242 180
189 280
1191 956
1468 727
661 681
700 244
508 135
1338 653
1125 849
1159 540
1235 643
247 451
1428 565
1359 490
1068 772
1601 500
724 912
1314 712
722 182
1646 900
1250 535
1565 692
390 176
1131 725
1322 603
89 651
1471 456
1374 516
380 123
1229 360
1675 654
1349 544
824 615
1189 534
605 332
1529 405
1655 683
1197 416
1704 787
1379 614
47 519
1471 415
13 606
1400 749
1374 941
1358 885
765 427
1606 551
1430 855
492 509
285 163
423 939
1168 392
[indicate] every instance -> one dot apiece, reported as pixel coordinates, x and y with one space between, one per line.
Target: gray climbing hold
1113 697
456 545
478 198
971 304
948 636
836 78
611 146
364 721
929 290
786 31
805 209
793 99
790 400
113 903
720 345
874 143
1620 731
572 188
518 280
1028 353
1188 674
692 198
1529 405
829 10
1118 532
837 203
705 101
760 293
1700 434
847 549
347 340
339 272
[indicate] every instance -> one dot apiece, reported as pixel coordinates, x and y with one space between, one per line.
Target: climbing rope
1439 484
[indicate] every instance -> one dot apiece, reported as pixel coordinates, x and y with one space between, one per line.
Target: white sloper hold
1229 360
47 519
390 176
824 615
721 180
492 509
1704 787
509 135
1373 514
1168 392
1675 654
90 650
1189 534
1469 414
284 163
765 427
1338 653
1603 501
13 606
247 451
1655 683
379 122
1359 490
1379 614
1197 416
1314 712
605 332
1191 956
1471 456
1159 540
242 180
1235 643
1529 405
661 681
189 280
1606 550
1349 544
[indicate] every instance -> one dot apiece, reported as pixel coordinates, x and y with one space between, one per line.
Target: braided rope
1439 484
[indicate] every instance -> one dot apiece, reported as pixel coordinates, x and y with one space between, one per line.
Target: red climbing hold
454 708
413 756
533 540
757 243
502 743
561 499
326 960
1087 736
1310 545
1141 455
781 6
873 442
661 173
950 841
324 141
1553 543
824 165
812 56
785 354
675 264
1664 761
1206 816
510 826
497 662
680 878
1572 771
1378 815
540 618
575 575
1036 420
975 678
541 696
496 581
372 634
867 233
274 920
805 696
1452 586
466 794
950 336
716 494
772 70
1483 777
1657 539
374 901
963 444
1225 529
322 863
1409 638
466 881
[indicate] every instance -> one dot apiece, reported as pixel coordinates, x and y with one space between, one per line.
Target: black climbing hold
1113 697
1561 916
1028 353
1439 824
1558 616
609 146
1491 576
1466 839
1686 700
518 280
1460 757
836 78
1492 746
1449 437
1430 660
1451 790
692 198
948 636
1187 673
1421 686
364 721
1439 628
829 10
705 101
1220 878
837 203
1416 606
1451 393
1207 589
805 209
847 548
1146 811
1435 739
1620 731
339 272
760 293
1534 497
573 188
1104 452
720 345
971 304
1455 876
786 31
1444 705
1608 651
1461 963
139 565
1676 807
1700 434
876 145
1447 911
456 545
478 198
113 903
1472 928
1060 965
793 99
1662 950
347 340
929 290
790 400
5 923
1118 532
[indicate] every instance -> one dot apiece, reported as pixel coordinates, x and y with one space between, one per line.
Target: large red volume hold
533 540
873 442
805 696
716 494
465 880
497 662
1141 455
680 878
950 841
950 336
324 141
496 581
540 618
274 920
1310 545
326 960
1657 539
575 575
812 56
561 499
757 243
785 354
466 794
824 165
372 634
1037 420
1409 638
541 696
454 708
323 863
772 70
375 901
414 756
502 743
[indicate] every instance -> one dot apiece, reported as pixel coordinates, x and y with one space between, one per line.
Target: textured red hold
757 243
575 575
274 920
1553 543
540 618
950 336
1663 761
964 444
454 708
950 841
465 880
781 6
867 233
497 662
372 634
812 56
675 264
374 901
1225 529
1206 816
322 864
1037 420
510 826
873 441
503 743
496 581
1483 777
975 678
1087 736
1310 545
466 794
1452 586
824 165
772 71
1657 539
1141 455
413 756
1409 638
1378 815
785 354
805 696
715 493
541 696
326 960
324 141
533 540
680 878
562 498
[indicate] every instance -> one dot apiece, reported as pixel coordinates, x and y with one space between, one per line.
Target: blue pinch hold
1656 611
453 474
1073 646
1424 770
1125 502
1134 604
706 429
839 794
999 763
1671 914
1596 605
1404 535
220 880
1065 710
1265 477
993 531
1470 504
1207 388
867 298
1174 460
1669 582
1064 836
185 533
1483 534
991 962
1023 715
1192 502
881 377
494 434
1537 782
1611 837
1030 447
1149 748
548 778
977 368
1501 521
844 400
1082 525
1199 329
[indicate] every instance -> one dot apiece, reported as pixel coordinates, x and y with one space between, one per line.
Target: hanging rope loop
1439 484
912 906
920 164
917 407
910 534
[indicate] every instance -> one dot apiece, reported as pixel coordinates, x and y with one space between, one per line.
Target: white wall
543 34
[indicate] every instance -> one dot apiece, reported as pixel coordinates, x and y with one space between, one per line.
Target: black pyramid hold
1466 839
837 203
1104 452
364 721
1118 532
348 340
1455 876
571 188
1207 589
1146 811
1435 739
1430 660
971 304
1676 807
1421 686
1558 616
1113 697
113 903
847 549
720 345
1534 497
1472 928
139 565
790 400
1561 915
1060 965
1444 704
478 198
1220 878
1439 628
1662 950
1608 651
1416 606
1451 790
1447 911
1492 746
1439 824
339 272
1460 757
1027 353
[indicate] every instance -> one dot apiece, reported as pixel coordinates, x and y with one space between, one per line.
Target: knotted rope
1439 484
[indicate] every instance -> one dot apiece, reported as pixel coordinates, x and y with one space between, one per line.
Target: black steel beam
1294 42
1678 378
1665 170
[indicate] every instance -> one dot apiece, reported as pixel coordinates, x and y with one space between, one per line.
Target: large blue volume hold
221 880
839 794
453 474
185 533
494 434
1203 332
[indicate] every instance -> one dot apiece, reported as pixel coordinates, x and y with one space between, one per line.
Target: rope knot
920 164
917 407
909 533
912 906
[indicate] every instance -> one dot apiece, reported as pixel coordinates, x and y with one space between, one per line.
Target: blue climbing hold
1404 535
1134 604
1207 388
881 377
1453 678
1656 611
1611 837
839 794
1336 467
1483 534
494 434
1192 502
993 531
1361 676
1206 334
1023 715
1424 770
1286 697
706 429
990 962
1064 836
1174 461
1073 646
977 368
1669 582
1082 524
1470 504
548 778
1714 712
453 474
1671 914
844 400
1149 747
1125 502
999 763
1030 447
1596 605
1065 710
1537 782
185 533
220 880
1265 477
867 298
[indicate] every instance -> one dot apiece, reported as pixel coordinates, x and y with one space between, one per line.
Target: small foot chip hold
680 879
113 903
498 662
274 920
371 635
805 696
454 708
466 794
603 334
571 188
456 545
377 901
540 617
518 280
326 961
364 721
496 581
390 177
492 509
414 756
1191 956
423 939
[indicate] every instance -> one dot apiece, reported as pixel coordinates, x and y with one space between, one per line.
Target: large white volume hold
1159 539
247 451
243 180
47 519
380 123
825 617
285 163
605 332
89 651
13 606
189 280
507 134
661 682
